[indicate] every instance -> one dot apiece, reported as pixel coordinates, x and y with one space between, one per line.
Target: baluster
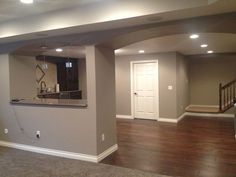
230 95
234 92
224 97
227 96
220 97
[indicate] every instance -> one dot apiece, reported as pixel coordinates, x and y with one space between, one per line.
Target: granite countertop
51 102
52 93
49 93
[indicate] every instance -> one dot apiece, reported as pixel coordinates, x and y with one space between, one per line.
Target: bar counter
51 102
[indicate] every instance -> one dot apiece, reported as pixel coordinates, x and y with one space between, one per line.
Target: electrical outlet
103 137
38 134
6 131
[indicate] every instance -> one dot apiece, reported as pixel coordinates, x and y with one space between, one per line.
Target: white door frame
132 86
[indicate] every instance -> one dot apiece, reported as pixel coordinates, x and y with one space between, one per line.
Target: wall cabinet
67 77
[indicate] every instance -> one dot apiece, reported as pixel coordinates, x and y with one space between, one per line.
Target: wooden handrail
230 83
227 95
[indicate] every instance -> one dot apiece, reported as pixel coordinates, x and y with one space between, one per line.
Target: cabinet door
67 77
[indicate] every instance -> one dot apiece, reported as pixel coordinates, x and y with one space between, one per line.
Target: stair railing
227 97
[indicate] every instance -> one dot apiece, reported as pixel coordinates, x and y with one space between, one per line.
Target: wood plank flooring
196 147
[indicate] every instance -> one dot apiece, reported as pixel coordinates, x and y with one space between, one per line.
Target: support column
103 61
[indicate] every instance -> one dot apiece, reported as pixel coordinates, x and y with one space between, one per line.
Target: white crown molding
65 154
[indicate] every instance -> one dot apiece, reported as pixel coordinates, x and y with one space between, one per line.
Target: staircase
227 97
227 100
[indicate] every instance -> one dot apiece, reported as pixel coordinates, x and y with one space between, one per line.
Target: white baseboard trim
209 115
65 154
107 152
181 117
174 120
124 117
169 120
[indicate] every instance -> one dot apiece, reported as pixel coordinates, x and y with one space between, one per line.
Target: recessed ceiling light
141 51
204 45
210 51
59 50
194 36
27 1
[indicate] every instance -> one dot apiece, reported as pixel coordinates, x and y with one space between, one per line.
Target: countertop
48 93
51 102
53 93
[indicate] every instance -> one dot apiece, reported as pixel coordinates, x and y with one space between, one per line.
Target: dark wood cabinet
67 77
77 94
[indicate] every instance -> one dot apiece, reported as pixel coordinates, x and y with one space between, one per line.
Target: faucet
43 86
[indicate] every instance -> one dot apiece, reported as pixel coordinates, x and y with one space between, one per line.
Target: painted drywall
50 77
167 77
69 129
86 14
206 73
23 77
62 128
106 102
182 82
82 77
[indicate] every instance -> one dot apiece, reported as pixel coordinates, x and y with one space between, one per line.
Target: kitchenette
48 80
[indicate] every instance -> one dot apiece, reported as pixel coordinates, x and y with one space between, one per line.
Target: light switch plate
170 87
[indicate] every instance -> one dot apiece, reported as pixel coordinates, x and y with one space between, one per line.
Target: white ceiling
52 17
14 9
68 51
20 22
218 42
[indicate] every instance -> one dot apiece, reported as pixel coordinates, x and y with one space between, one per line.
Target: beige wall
206 73
195 79
23 77
68 129
182 80
106 101
167 76
50 77
82 77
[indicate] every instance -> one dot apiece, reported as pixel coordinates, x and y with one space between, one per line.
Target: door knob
135 93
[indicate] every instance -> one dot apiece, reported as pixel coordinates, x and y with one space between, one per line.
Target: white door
145 90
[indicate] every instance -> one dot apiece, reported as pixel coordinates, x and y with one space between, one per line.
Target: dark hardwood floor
195 147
